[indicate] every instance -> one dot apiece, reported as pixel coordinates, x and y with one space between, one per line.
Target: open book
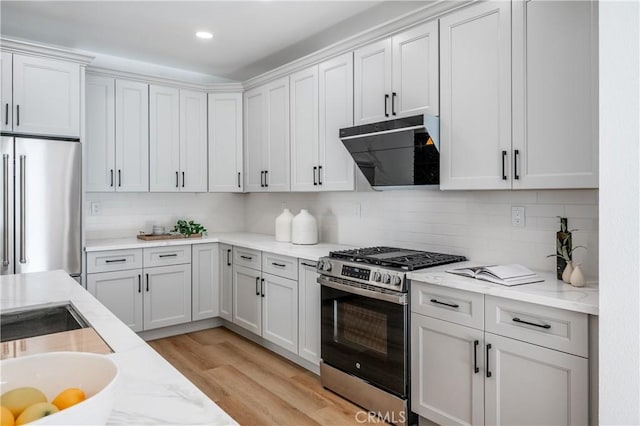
509 275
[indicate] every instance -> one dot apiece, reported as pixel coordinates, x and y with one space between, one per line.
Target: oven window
362 327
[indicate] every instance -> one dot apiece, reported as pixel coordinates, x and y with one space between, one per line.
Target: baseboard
174 330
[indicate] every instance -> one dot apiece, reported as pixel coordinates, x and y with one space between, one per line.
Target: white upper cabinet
164 139
321 104
46 96
267 137
475 97
225 142
372 90
100 138
193 141
555 94
304 129
398 76
178 140
132 136
6 91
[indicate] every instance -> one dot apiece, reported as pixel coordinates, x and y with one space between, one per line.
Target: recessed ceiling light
204 34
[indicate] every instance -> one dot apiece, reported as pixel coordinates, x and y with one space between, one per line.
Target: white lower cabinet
308 312
470 376
167 296
205 281
226 281
280 311
247 304
121 293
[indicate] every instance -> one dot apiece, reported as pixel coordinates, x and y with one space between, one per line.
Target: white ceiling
250 37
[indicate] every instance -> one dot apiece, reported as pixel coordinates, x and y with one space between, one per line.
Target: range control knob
386 278
376 276
396 280
325 265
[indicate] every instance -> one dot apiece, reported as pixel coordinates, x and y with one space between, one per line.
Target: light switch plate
95 209
517 216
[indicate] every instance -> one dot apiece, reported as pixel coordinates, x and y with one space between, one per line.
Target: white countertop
260 242
551 292
150 390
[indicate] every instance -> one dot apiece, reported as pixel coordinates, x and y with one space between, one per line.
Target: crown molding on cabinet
31 48
181 84
426 13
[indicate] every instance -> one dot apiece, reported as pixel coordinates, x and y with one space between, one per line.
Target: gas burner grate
396 258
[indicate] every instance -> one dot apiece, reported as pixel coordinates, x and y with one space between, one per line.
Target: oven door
365 336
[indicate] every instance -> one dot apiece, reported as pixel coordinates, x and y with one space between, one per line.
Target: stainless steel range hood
397 154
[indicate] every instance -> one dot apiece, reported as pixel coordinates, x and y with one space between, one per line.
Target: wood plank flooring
254 385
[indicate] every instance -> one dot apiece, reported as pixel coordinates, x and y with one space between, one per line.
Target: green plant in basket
189 228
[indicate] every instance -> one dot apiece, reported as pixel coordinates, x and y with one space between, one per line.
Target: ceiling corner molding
32 48
384 30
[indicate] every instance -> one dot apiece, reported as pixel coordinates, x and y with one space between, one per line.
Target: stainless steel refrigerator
40 228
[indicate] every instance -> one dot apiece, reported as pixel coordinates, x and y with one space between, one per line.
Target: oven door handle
400 299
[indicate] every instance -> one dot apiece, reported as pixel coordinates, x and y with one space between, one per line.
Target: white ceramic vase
566 274
577 277
304 228
283 226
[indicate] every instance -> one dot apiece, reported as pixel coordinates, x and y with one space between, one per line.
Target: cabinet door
100 139
6 91
555 94
226 281
193 141
167 296
121 293
205 281
247 303
46 96
225 142
255 139
280 311
415 71
372 82
336 167
304 129
276 157
132 136
534 385
164 139
447 371
475 97
308 312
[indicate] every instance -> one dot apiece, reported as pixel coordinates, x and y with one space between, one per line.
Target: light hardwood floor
254 385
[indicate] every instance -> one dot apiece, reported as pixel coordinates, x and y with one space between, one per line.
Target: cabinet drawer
114 260
248 258
458 306
165 256
282 266
553 328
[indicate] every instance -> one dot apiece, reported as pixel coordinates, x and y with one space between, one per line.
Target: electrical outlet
96 209
517 216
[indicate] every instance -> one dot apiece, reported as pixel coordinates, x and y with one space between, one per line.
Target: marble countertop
551 292
260 242
150 390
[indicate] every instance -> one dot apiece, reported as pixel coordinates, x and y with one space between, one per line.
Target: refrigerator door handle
5 209
23 251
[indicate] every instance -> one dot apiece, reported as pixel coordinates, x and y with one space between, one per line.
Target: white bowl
55 371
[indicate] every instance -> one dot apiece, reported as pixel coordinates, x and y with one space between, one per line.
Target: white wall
124 214
474 223
619 213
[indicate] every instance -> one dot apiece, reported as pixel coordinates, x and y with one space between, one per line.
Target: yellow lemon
18 399
68 397
6 417
35 412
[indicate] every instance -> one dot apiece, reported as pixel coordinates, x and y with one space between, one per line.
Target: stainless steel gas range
365 326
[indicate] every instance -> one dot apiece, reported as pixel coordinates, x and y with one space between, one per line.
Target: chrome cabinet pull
5 209
23 205
545 326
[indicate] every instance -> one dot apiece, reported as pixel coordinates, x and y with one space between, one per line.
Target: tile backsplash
476 224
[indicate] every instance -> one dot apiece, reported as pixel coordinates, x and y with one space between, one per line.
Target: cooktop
393 257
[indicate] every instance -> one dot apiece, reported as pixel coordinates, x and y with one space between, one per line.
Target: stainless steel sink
39 320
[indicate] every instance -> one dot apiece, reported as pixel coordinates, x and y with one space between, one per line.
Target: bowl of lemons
57 388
